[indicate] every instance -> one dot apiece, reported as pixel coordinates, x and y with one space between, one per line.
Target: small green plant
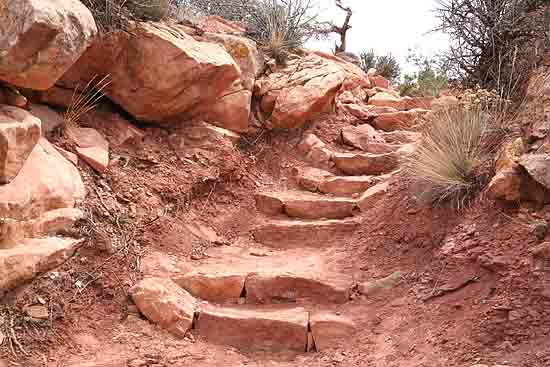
428 81
86 100
451 155
385 65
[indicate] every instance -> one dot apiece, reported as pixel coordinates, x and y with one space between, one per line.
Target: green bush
385 65
430 79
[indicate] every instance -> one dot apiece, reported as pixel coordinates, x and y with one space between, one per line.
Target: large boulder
158 73
46 182
41 39
19 134
306 88
245 53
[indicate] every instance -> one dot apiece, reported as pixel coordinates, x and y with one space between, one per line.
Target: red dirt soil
469 294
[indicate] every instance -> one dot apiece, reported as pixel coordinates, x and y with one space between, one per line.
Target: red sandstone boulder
93 148
47 181
41 39
165 303
153 90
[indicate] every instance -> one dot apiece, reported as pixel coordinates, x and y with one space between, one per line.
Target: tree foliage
494 43
385 65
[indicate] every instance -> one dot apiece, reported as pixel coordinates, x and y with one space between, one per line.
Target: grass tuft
451 162
86 100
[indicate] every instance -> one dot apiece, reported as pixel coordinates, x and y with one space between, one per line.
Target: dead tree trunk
343 30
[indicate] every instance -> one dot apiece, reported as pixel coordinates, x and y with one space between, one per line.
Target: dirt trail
464 293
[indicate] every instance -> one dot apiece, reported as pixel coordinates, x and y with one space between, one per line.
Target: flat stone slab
346 185
33 257
365 163
302 233
330 330
305 205
215 285
258 328
274 287
301 276
310 178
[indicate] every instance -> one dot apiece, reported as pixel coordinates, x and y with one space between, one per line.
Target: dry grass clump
281 25
85 100
113 15
452 160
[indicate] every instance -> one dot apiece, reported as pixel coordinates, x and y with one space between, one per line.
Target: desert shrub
368 60
115 14
452 158
281 25
385 65
430 78
494 44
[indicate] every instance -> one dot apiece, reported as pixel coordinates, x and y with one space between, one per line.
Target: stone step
303 233
314 179
255 328
291 276
366 163
304 205
32 257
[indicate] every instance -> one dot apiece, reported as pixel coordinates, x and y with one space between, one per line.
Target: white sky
386 26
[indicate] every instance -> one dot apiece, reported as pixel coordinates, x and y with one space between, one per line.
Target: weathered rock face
538 167
149 87
41 39
507 183
245 53
19 134
398 120
386 99
47 181
165 303
306 88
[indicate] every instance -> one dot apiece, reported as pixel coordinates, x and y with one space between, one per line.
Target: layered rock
19 134
41 39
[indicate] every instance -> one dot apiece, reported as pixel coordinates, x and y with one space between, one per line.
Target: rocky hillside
172 196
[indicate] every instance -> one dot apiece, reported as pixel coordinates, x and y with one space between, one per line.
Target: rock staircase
288 294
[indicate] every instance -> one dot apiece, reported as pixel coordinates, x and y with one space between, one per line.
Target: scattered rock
11 96
19 134
93 148
37 312
40 40
217 24
373 287
165 303
329 330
